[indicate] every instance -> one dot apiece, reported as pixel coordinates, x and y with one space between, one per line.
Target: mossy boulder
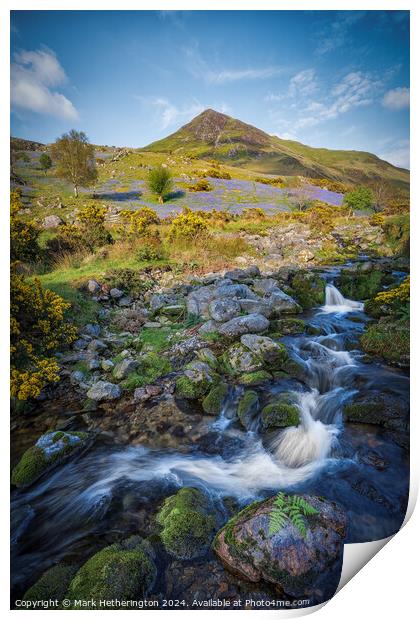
213 402
196 381
187 524
50 449
281 413
238 359
360 284
380 409
53 584
274 354
288 327
248 406
300 564
122 571
295 369
255 378
309 288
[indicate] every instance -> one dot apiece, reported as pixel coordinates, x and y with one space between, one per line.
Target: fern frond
292 508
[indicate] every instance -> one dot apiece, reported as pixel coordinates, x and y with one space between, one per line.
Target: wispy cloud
201 69
34 76
397 98
337 32
354 90
398 153
302 83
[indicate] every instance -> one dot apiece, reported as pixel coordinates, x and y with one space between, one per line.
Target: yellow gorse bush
188 225
397 295
23 235
38 327
138 223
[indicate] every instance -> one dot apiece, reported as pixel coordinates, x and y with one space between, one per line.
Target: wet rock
280 413
124 570
287 558
146 393
104 390
255 378
187 524
252 323
309 289
223 310
213 402
52 585
248 407
50 449
288 327
196 380
380 409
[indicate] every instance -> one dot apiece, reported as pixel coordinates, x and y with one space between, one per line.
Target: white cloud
354 90
397 99
34 74
337 32
303 83
201 69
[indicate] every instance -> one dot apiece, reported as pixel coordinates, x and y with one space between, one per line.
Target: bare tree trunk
76 192
160 199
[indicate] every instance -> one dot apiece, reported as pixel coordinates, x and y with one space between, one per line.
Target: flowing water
88 498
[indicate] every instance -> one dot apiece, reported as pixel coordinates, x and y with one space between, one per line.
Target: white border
386 585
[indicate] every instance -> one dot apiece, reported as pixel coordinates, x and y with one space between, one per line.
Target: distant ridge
215 135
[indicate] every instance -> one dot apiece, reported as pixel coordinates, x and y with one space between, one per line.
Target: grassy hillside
218 136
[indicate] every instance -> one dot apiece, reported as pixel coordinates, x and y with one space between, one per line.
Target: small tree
45 162
359 199
160 182
76 159
382 194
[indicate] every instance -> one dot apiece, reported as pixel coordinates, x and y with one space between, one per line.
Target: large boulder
280 413
196 381
291 559
123 368
270 352
49 450
248 407
249 324
187 524
52 585
223 310
309 289
239 359
51 221
104 390
198 301
281 303
123 571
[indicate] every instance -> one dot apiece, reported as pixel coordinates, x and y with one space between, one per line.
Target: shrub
392 302
388 339
201 186
139 223
151 251
160 182
92 224
38 328
218 174
188 225
253 213
268 181
360 199
45 162
129 280
23 235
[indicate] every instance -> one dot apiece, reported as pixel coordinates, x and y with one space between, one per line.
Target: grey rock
160 300
104 390
223 310
240 359
116 293
259 306
208 327
264 347
76 377
96 345
124 368
250 324
92 329
265 285
94 364
107 365
280 303
125 302
51 221
80 344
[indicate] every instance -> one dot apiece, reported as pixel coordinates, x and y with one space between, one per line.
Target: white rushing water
335 302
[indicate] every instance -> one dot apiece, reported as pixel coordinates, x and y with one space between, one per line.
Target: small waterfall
311 441
335 302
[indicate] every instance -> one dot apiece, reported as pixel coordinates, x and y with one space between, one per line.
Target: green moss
362 412
309 288
123 571
235 548
247 406
53 584
192 390
36 460
255 378
389 340
287 327
187 526
213 402
151 367
361 284
280 414
295 370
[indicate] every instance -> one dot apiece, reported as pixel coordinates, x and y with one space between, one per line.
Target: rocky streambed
152 469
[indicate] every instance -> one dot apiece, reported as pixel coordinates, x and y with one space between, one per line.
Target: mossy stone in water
309 289
248 407
123 571
213 402
280 414
255 378
49 449
53 584
288 327
187 524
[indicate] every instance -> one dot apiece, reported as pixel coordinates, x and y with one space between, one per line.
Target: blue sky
335 79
